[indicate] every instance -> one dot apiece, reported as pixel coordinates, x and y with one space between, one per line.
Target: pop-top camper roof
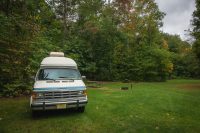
57 59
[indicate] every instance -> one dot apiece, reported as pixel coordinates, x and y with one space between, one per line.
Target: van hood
59 85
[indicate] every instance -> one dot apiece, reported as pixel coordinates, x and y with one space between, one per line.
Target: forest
114 40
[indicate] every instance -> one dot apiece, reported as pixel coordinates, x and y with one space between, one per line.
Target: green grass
172 106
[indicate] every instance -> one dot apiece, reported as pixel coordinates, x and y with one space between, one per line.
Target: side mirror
83 77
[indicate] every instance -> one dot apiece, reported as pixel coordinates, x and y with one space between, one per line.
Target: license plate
61 106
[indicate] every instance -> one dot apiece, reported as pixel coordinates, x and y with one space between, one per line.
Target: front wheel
35 113
81 109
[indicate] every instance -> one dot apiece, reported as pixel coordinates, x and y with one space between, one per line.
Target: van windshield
58 74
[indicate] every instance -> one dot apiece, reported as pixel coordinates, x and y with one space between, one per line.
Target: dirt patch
107 90
190 86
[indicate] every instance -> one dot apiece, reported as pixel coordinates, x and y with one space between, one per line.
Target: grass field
172 106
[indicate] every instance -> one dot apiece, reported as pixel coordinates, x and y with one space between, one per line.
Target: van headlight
33 95
36 95
84 92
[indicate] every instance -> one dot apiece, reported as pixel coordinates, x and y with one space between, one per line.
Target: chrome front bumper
50 104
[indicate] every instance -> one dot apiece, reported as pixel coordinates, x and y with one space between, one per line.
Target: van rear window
58 74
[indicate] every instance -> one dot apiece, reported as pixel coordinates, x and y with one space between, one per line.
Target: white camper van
58 85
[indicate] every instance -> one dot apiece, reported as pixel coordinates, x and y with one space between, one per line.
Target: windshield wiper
49 79
66 78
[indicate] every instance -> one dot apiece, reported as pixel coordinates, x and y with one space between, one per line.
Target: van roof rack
56 54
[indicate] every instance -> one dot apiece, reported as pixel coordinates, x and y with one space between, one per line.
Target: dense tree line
110 40
196 30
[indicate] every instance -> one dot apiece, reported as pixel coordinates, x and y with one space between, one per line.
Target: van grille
59 94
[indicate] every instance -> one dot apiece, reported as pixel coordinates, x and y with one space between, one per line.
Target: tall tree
196 29
18 26
65 11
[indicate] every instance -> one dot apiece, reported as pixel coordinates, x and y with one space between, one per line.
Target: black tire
35 113
81 109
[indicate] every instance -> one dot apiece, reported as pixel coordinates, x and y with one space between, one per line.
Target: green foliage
145 64
17 20
183 58
114 40
196 31
196 25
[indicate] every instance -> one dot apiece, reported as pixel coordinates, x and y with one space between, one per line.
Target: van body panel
58 61
56 87
59 85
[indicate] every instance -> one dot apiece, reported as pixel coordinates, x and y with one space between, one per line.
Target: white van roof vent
56 54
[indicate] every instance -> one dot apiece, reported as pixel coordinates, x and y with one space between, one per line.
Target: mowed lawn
172 106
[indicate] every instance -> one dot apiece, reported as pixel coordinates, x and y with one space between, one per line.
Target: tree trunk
64 20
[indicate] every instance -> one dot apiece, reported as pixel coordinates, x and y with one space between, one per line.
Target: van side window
41 74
